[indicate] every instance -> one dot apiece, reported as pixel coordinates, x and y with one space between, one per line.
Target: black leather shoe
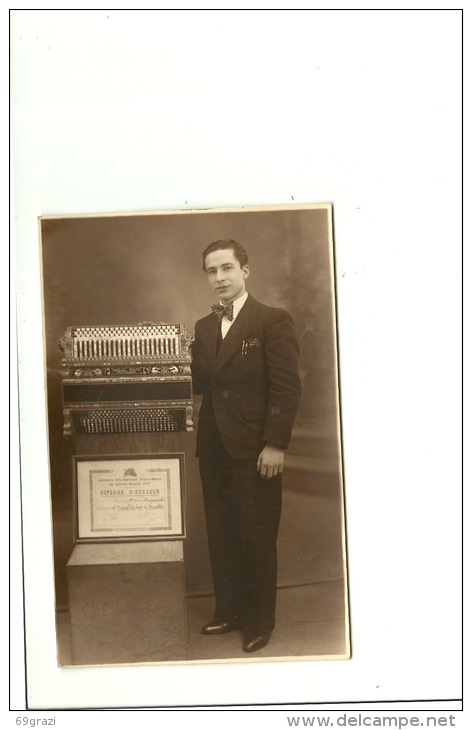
214 628
254 643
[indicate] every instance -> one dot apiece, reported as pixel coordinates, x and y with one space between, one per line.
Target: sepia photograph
194 434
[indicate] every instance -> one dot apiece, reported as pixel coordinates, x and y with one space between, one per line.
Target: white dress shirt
237 306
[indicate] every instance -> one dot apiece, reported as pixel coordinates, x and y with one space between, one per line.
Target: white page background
155 110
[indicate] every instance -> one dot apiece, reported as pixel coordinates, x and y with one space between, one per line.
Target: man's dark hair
222 245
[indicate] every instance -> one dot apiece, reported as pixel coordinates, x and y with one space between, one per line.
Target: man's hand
270 461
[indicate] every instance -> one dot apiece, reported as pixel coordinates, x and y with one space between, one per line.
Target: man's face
225 275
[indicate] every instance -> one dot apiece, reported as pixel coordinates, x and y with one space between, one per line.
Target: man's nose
220 275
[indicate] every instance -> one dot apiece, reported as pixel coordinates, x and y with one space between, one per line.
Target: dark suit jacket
251 386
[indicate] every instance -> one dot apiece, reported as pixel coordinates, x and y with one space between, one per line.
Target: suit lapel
209 337
235 335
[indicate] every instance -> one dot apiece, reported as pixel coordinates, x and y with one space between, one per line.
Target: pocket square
253 342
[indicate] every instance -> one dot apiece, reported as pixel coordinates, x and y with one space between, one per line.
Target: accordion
126 379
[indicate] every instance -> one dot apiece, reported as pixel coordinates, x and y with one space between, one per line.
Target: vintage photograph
195 441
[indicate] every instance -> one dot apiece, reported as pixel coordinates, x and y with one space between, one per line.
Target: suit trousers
243 515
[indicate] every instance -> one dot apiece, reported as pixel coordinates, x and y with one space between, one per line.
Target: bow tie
220 310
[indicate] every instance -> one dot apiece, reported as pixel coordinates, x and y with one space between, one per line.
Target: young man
245 363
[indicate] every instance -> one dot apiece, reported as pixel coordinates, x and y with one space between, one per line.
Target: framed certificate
129 497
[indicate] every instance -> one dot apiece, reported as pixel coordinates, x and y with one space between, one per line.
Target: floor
310 623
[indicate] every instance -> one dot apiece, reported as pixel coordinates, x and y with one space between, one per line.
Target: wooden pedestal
127 603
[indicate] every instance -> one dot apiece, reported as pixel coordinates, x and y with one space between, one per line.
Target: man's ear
246 271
